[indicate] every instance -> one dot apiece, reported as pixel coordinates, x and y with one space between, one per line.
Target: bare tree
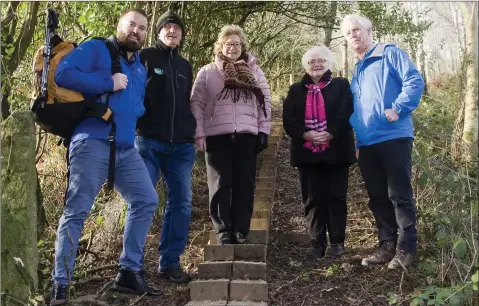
469 133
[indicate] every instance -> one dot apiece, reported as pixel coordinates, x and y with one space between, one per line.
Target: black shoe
337 249
224 241
224 238
316 252
175 275
133 282
385 253
241 239
60 294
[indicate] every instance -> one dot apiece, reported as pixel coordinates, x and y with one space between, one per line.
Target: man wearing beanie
166 138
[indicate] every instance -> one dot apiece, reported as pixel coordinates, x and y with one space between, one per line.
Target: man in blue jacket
87 69
386 88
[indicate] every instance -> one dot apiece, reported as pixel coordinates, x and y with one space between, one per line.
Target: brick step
209 290
262 205
254 236
249 290
232 269
263 183
230 252
225 303
215 269
246 303
259 224
264 193
261 213
208 303
248 270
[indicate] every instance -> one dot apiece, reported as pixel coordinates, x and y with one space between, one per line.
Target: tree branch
10 14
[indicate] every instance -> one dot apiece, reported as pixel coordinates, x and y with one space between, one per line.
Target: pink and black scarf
315 114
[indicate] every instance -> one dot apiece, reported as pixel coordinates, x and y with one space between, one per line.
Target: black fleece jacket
338 101
167 115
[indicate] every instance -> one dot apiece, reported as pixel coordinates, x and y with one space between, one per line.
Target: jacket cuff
108 85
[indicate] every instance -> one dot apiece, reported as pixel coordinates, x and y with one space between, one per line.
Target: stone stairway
237 274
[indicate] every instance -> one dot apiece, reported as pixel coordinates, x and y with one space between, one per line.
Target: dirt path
295 281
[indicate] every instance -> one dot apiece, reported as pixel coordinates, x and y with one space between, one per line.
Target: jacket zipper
174 95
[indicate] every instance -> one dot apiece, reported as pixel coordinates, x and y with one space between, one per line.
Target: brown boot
403 260
384 254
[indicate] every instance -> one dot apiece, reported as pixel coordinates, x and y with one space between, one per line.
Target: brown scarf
239 81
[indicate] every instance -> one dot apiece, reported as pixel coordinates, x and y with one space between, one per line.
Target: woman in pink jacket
231 103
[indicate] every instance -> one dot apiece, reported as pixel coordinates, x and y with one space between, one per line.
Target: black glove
261 142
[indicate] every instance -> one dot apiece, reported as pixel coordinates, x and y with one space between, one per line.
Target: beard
130 45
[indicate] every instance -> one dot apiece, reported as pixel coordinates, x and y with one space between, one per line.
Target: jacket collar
115 43
306 80
164 48
376 51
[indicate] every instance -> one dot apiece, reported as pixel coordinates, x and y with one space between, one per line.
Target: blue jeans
88 171
175 162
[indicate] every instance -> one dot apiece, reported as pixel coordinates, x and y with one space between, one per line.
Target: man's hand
200 143
357 154
391 115
323 137
120 81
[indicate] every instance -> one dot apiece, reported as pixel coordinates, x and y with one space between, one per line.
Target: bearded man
87 69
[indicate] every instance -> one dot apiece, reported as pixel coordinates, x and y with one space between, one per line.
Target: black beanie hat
169 17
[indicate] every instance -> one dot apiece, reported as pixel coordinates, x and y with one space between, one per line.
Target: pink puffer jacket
218 117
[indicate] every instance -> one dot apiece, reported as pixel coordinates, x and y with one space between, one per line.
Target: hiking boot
337 249
316 252
241 239
133 282
384 254
403 260
59 294
175 275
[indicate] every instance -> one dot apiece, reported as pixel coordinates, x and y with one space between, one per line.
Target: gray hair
321 50
360 21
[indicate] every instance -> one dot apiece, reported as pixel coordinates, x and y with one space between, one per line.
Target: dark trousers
386 170
324 189
231 170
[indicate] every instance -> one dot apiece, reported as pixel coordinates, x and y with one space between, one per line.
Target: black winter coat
168 116
338 101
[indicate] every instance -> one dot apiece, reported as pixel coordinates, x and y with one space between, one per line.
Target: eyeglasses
235 45
173 26
321 61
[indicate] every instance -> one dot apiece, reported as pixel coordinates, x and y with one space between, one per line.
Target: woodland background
441 38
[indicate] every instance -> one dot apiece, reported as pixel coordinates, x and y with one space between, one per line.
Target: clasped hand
317 137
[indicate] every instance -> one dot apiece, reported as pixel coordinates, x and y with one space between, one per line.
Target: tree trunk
152 38
423 67
19 205
328 35
469 134
345 66
20 45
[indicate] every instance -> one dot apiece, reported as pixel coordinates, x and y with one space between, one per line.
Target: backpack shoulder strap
112 46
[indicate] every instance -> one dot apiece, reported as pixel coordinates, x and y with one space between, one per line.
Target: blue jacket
386 78
87 69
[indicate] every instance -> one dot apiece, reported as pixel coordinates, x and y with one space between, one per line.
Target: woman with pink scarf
231 103
316 116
